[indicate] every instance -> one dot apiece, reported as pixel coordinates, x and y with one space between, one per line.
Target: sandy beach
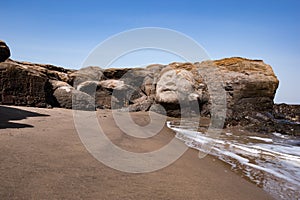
42 157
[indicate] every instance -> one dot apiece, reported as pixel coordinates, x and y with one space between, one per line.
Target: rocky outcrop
245 87
285 111
4 51
22 86
287 118
250 87
28 84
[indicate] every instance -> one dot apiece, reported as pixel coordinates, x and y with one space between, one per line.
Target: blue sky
64 32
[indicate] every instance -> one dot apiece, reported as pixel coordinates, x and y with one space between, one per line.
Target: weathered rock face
4 51
67 97
142 104
115 73
179 89
119 94
102 91
286 119
285 111
20 86
28 84
86 74
174 86
250 86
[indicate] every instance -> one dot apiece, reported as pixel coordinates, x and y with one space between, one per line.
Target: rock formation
285 111
247 87
4 51
23 86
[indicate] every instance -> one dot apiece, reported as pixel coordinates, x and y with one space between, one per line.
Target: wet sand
42 157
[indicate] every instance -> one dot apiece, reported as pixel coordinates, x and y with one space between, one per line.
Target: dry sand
42 157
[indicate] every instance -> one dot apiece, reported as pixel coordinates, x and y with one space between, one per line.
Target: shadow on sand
9 113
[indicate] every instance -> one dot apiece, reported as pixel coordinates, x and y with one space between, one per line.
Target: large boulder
115 94
28 84
50 71
91 73
115 73
102 91
57 84
247 86
155 68
142 104
68 97
175 86
113 84
149 85
4 51
180 89
21 86
250 87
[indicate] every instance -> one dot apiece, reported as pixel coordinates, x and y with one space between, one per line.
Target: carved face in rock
175 85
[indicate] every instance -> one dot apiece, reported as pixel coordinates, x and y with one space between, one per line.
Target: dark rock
149 85
28 84
68 97
287 119
115 94
88 87
21 86
107 92
289 112
155 68
4 51
143 104
115 73
86 74
104 94
158 108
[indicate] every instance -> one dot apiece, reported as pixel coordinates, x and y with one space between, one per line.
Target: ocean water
271 161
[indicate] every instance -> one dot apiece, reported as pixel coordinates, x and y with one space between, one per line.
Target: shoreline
41 158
